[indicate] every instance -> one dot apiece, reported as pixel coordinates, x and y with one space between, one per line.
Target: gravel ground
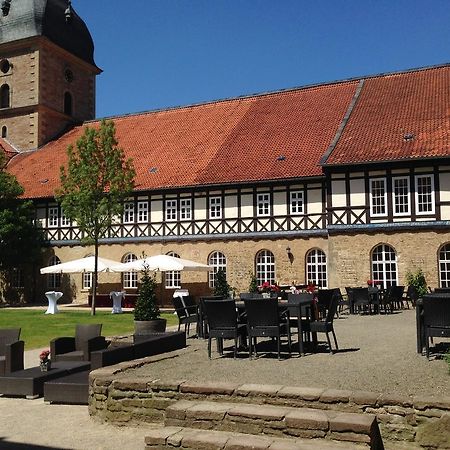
377 353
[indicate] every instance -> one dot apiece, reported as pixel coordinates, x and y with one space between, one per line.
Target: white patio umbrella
161 263
81 265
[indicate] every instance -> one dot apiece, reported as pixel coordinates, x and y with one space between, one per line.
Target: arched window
54 279
172 279
444 266
218 261
265 267
129 279
316 268
384 265
4 131
4 96
68 104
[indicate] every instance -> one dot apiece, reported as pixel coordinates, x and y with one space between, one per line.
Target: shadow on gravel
8 445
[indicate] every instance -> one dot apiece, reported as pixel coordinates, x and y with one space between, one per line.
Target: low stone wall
115 398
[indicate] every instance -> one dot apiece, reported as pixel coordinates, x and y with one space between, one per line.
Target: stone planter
149 327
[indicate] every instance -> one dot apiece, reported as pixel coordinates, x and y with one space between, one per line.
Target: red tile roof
389 108
271 136
229 141
7 149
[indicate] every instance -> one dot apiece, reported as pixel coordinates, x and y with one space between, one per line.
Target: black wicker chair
411 296
187 311
87 339
436 318
361 299
326 325
223 324
249 295
265 319
323 301
11 351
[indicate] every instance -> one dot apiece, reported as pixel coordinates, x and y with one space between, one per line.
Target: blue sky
162 53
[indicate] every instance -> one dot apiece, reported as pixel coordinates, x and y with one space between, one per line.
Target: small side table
53 297
117 301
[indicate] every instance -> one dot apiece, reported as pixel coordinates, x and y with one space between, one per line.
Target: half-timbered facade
334 183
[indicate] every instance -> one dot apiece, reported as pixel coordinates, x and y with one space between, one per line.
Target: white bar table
53 297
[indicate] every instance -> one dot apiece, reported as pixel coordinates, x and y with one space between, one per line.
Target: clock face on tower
68 75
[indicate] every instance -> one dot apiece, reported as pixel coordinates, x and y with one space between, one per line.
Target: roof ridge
267 93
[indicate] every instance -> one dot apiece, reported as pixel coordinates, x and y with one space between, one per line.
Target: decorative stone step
194 439
276 421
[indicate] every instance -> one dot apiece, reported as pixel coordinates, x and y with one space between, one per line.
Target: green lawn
39 328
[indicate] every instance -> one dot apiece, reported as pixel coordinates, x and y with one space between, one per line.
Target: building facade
334 184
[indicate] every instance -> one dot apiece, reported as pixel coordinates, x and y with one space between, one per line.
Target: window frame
54 279
215 207
395 196
186 208
172 278
170 210
263 201
383 263
444 265
431 194
265 269
129 213
53 217
316 267
293 202
129 279
142 211
217 260
371 197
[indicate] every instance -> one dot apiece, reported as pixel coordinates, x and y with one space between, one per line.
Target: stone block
246 442
421 402
128 384
258 390
350 437
208 388
335 396
178 410
208 411
166 385
435 434
303 393
365 398
306 418
160 435
203 440
356 423
256 412
395 400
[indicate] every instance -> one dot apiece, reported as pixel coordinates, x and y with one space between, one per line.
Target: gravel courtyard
377 353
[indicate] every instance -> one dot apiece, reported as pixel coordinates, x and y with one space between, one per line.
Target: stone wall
115 398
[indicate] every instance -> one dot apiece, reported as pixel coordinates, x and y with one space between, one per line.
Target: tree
222 287
20 240
146 307
95 185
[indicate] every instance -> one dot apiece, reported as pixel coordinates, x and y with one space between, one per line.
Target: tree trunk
94 281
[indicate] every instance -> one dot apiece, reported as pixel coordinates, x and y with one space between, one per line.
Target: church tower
47 71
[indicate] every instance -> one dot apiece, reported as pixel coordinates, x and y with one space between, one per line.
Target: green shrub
253 286
146 305
447 358
417 280
222 288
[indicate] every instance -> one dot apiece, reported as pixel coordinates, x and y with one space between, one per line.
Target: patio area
377 353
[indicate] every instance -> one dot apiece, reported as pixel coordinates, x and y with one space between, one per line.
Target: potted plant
147 318
222 287
253 286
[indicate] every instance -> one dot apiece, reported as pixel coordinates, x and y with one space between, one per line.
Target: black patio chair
411 296
326 325
223 324
436 318
305 299
266 319
187 312
323 301
361 300
11 351
87 339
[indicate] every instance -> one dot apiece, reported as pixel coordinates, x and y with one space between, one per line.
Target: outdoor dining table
297 306
53 297
117 297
